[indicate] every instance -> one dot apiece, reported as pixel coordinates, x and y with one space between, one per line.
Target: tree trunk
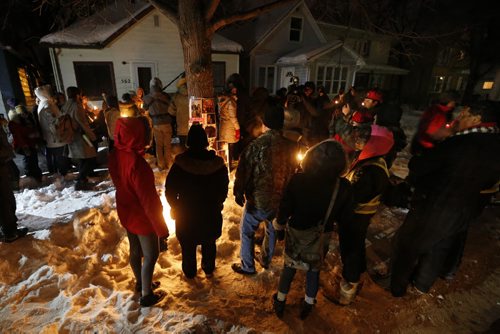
197 47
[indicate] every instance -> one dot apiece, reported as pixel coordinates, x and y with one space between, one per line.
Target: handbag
306 248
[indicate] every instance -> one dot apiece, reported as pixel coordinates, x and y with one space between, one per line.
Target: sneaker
348 292
278 306
305 309
154 285
238 269
13 236
151 299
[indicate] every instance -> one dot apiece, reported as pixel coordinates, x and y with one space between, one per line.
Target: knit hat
12 102
374 95
325 158
197 137
274 115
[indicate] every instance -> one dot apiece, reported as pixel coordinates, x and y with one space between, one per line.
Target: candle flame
166 215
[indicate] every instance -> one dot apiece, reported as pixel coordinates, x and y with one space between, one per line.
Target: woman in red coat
138 204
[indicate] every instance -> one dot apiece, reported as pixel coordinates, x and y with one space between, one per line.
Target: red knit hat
374 95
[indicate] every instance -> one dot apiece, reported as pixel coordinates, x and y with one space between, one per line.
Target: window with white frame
332 78
296 29
437 84
267 77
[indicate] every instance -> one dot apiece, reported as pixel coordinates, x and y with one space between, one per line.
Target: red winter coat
433 120
137 202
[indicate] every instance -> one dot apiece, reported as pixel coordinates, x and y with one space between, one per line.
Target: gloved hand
280 235
240 200
237 134
163 243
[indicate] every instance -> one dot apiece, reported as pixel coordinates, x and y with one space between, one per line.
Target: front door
142 73
286 75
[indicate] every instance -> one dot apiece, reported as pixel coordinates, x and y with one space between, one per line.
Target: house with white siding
125 45
289 42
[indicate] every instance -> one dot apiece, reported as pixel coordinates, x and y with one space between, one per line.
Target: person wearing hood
196 188
307 202
179 108
265 167
138 204
369 178
450 181
81 148
157 104
48 112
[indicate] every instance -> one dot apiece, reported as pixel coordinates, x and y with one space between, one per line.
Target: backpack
64 129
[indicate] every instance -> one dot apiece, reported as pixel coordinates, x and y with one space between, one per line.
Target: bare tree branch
211 10
166 10
247 15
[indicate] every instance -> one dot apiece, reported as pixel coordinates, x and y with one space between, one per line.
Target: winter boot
278 306
151 299
305 309
348 292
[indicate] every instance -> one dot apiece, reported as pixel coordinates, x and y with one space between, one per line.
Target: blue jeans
312 281
252 217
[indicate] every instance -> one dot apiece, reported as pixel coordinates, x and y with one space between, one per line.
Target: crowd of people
350 143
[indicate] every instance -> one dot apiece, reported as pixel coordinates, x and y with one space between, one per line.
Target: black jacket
448 180
196 188
307 198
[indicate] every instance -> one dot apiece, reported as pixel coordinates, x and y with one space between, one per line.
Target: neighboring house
373 68
488 87
16 80
289 42
125 45
449 73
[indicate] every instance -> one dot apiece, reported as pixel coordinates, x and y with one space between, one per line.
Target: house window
219 71
267 76
95 78
25 86
332 78
488 84
296 29
460 84
448 83
362 47
437 84
365 48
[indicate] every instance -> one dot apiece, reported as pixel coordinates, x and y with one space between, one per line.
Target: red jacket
137 202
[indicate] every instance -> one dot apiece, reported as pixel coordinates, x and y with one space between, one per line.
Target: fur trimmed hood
199 162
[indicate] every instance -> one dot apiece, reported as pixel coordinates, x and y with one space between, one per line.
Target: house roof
383 69
101 28
311 53
251 33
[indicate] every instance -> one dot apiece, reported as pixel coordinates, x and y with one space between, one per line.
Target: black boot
305 309
278 306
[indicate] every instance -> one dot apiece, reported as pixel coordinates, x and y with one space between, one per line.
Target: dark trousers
208 252
85 168
421 269
31 165
14 174
312 281
8 219
56 161
352 237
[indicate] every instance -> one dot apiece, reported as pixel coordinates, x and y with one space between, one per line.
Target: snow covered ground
71 274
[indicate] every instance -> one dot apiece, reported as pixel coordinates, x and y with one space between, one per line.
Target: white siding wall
143 42
232 62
